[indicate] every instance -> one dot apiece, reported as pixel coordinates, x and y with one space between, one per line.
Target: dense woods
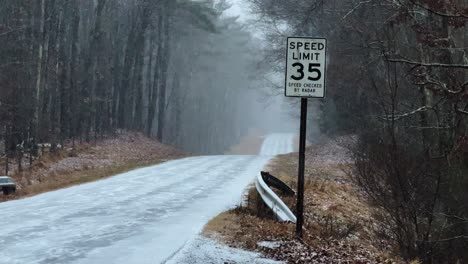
398 80
75 70
182 71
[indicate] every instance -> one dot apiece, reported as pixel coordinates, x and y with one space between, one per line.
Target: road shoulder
339 224
204 250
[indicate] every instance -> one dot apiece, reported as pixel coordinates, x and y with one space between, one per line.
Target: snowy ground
143 216
207 251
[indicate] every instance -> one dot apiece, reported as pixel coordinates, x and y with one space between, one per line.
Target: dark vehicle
7 185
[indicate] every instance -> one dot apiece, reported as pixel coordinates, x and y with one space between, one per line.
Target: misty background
188 73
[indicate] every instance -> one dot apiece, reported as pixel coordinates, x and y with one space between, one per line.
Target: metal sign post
305 78
300 180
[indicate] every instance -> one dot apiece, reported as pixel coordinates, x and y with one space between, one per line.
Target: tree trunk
163 83
39 71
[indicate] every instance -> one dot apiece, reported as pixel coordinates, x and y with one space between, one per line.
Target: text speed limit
305 68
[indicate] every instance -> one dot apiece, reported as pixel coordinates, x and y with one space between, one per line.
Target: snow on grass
203 250
338 228
89 162
269 244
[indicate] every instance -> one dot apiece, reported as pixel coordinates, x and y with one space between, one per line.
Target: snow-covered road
276 144
143 216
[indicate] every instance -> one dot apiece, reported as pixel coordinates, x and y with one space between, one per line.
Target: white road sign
305 67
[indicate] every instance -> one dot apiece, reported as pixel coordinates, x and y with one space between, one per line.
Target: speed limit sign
305 78
306 67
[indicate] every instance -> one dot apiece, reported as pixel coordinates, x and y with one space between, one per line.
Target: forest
398 81
76 71
186 74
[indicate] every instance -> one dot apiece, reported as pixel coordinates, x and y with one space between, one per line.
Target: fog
187 73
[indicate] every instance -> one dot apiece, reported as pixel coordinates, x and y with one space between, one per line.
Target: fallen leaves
339 225
88 162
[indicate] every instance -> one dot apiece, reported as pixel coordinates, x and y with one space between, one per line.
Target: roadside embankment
339 225
90 162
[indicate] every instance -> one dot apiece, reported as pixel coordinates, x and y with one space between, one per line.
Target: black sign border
286 70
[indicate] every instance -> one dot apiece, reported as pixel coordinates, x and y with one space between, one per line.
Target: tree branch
458 15
444 86
441 65
354 8
446 239
434 127
14 30
398 117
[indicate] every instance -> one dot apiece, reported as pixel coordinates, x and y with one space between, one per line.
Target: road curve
143 216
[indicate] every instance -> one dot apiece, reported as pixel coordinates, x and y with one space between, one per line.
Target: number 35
313 68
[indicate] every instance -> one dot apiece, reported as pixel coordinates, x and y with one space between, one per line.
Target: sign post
305 78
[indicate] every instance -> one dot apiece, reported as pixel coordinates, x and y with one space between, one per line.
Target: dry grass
239 228
66 179
87 163
338 225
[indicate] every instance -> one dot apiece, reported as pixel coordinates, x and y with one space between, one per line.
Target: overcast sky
239 8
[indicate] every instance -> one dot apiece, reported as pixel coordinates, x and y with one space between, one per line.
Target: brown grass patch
338 226
67 167
62 180
239 228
